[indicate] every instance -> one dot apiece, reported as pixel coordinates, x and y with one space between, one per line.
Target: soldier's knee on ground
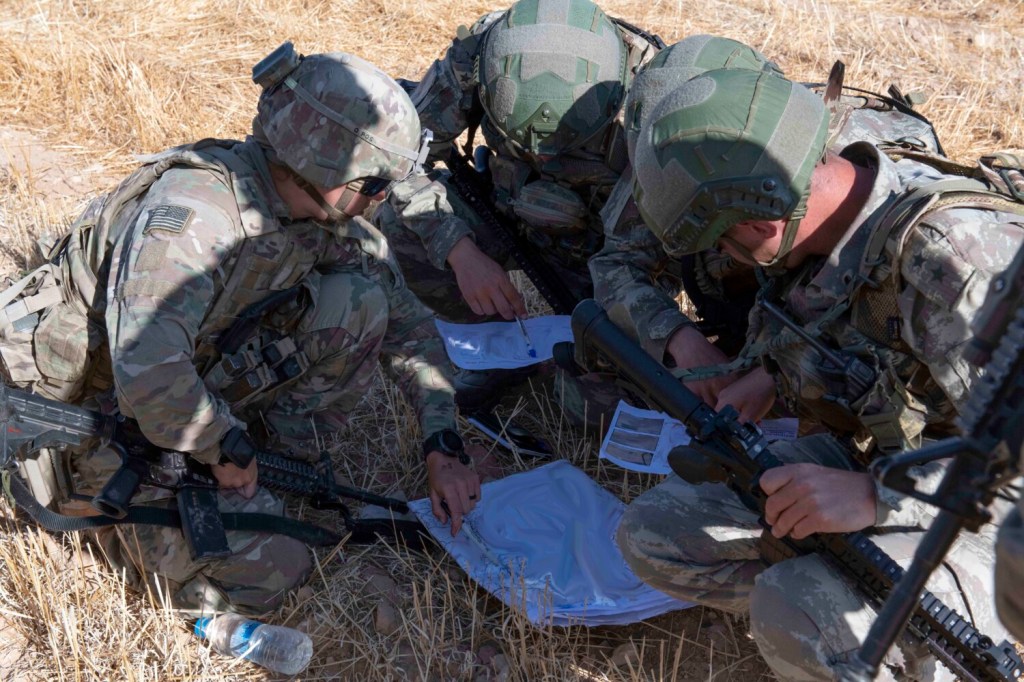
789 638
807 620
251 583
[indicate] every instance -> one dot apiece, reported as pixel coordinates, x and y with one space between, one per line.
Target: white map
544 541
502 345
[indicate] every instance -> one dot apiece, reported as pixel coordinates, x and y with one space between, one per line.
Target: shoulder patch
169 218
935 270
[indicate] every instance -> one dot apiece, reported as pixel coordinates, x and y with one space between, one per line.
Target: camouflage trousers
588 401
341 331
1010 571
700 544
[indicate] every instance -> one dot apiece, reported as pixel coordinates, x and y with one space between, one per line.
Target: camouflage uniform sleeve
946 271
412 352
159 288
623 273
423 205
444 96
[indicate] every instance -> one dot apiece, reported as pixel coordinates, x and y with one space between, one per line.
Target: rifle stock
737 454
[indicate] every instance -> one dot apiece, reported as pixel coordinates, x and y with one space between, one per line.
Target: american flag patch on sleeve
170 218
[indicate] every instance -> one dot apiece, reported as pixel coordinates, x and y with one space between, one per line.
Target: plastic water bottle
281 649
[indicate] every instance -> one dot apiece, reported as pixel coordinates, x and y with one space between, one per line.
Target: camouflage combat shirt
176 261
446 100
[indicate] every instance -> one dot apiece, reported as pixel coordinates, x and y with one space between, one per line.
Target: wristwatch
448 442
236 447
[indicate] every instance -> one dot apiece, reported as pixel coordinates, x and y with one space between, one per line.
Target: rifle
31 423
983 459
723 450
475 189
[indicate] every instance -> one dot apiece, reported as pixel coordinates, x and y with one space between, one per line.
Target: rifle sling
361 531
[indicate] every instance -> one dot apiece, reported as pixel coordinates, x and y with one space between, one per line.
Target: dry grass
86 85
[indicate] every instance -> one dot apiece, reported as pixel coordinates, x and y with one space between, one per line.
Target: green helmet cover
727 146
677 64
335 118
552 74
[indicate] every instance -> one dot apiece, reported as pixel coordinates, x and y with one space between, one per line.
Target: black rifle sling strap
362 531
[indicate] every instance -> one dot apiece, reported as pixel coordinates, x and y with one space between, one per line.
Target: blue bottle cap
201 625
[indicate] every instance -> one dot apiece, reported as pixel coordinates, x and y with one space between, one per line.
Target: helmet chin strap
335 214
776 264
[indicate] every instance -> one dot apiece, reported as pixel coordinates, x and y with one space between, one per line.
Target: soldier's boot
479 391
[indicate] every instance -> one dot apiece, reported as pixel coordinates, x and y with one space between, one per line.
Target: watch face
450 442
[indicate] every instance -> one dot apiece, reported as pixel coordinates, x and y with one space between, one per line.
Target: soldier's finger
473 304
487 306
437 508
514 297
473 493
504 307
456 523
789 518
774 479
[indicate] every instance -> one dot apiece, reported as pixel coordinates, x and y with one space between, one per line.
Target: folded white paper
544 541
503 345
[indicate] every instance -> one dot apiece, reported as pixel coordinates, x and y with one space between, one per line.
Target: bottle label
245 632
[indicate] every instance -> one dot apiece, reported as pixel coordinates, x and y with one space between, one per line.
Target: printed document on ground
640 440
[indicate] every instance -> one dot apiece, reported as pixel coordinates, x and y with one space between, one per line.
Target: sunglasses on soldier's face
371 187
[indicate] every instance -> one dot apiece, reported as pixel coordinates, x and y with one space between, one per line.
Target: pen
531 351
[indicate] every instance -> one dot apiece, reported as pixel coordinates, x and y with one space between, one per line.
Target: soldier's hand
810 498
452 482
232 477
484 284
689 349
752 395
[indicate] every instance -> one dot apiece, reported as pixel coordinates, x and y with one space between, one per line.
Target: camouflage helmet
728 146
677 64
552 74
335 118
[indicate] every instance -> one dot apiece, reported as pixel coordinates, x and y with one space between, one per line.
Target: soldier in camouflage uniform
138 301
721 289
544 82
861 260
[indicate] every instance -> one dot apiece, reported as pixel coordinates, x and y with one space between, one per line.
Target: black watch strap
237 448
448 442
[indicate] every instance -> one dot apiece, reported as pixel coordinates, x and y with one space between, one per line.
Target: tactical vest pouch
551 208
243 376
900 423
46 338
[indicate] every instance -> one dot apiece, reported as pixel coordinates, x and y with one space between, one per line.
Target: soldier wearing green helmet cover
133 308
543 84
879 252
721 289
632 259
